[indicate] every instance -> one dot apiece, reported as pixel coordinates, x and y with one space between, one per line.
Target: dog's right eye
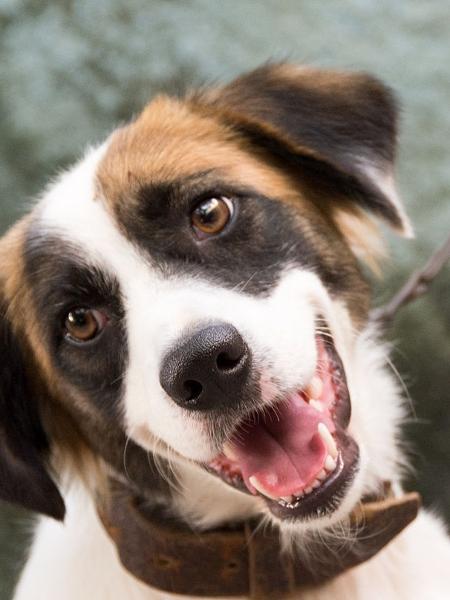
211 216
84 324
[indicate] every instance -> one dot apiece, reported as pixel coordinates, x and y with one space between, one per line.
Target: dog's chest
78 560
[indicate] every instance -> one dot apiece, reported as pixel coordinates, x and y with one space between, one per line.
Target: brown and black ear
337 129
24 476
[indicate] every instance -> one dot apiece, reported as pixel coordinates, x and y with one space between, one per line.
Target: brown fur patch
69 447
169 141
18 295
363 236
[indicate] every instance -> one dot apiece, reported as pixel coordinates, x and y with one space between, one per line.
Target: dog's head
193 285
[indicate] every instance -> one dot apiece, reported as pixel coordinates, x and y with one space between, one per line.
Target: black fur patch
23 476
60 281
263 238
322 124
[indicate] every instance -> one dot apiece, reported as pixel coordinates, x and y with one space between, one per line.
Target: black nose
207 370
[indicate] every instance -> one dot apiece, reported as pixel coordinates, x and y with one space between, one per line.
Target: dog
185 311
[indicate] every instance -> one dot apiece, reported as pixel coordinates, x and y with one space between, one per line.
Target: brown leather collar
245 560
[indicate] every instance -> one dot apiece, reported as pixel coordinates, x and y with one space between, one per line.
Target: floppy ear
337 129
24 478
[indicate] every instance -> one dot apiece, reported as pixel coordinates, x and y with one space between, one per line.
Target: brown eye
211 216
84 324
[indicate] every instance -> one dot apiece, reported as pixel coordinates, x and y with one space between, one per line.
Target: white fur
76 560
382 177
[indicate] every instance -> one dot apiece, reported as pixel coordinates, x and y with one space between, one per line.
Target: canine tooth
322 475
287 499
308 489
330 463
258 486
228 451
315 387
317 404
326 436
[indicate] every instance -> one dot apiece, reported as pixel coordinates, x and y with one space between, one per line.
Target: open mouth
297 455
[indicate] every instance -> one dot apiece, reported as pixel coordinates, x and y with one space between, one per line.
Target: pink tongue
284 452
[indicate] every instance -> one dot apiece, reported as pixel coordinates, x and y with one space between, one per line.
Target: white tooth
308 489
330 463
326 436
317 404
258 486
315 387
228 451
316 484
287 499
322 475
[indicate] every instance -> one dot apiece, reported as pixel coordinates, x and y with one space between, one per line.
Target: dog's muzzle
299 456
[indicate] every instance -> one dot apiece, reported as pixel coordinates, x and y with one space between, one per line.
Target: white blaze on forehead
71 209
279 329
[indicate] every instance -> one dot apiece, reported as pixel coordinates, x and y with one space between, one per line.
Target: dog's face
192 285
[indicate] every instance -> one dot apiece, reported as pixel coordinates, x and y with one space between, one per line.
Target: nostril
193 390
225 362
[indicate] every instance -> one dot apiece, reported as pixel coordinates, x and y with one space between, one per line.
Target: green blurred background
71 70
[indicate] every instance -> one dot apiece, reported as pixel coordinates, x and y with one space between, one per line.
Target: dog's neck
242 559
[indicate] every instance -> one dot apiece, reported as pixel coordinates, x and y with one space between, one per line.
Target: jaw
297 455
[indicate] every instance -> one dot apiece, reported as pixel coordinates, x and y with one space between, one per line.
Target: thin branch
414 287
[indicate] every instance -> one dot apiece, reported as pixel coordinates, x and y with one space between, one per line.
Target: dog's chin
297 455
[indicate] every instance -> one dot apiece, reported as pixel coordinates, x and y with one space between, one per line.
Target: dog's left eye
211 216
84 324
